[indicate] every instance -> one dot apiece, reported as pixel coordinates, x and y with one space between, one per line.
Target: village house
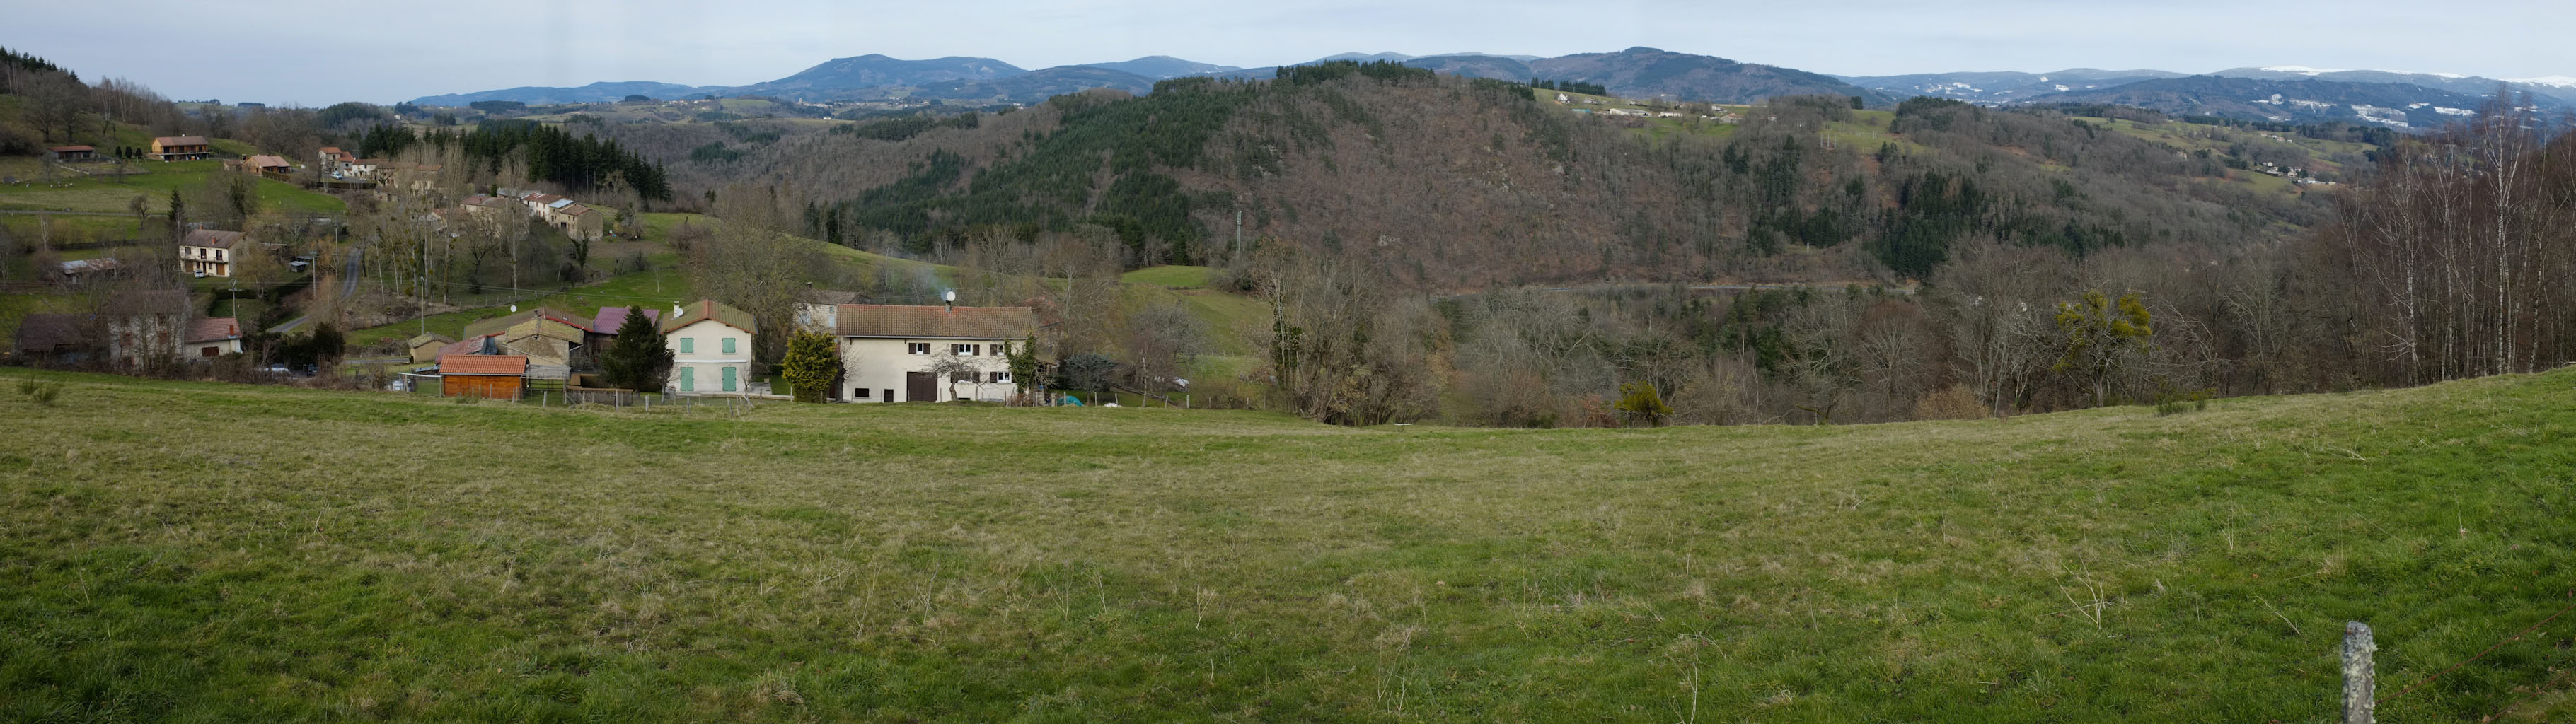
180 148
576 220
495 377
611 320
546 337
424 348
710 347
68 154
210 253
887 351
267 165
332 157
54 339
481 205
144 324
212 337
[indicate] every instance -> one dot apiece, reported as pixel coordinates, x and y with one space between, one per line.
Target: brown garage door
920 387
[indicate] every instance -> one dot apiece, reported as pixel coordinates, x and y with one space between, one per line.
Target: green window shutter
688 379
728 377
688 345
728 346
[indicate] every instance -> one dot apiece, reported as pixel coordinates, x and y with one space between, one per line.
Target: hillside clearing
196 551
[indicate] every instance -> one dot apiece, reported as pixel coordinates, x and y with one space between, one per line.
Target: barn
493 376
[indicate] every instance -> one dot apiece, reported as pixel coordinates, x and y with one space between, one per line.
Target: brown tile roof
504 365
148 301
613 318
167 141
211 238
889 320
46 332
706 309
497 324
212 329
266 161
472 344
71 148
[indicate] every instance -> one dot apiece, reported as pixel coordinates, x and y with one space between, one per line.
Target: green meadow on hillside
103 192
208 552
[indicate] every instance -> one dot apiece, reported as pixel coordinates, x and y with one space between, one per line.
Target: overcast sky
315 53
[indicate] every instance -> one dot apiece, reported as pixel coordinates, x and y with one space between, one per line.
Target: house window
965 350
728 345
688 345
999 377
728 379
918 348
860 392
688 380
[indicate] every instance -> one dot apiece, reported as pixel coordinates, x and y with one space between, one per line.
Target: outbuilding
489 376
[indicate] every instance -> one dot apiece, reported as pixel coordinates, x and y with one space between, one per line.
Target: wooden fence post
2357 673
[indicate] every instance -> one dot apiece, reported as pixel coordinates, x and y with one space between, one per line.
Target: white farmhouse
887 351
710 347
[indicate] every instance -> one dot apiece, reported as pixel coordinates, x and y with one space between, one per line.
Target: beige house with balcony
210 253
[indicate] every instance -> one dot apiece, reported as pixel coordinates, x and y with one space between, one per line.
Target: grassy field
153 181
203 552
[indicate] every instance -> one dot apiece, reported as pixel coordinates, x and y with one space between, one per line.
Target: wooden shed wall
488 386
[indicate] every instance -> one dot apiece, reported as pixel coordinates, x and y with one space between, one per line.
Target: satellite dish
514 307
950 295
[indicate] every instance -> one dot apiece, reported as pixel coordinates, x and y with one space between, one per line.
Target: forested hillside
1457 185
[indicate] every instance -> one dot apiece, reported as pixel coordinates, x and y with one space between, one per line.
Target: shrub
1953 403
2170 402
1639 401
42 393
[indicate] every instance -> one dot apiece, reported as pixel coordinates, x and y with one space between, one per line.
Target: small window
861 392
688 345
999 377
960 349
920 348
728 345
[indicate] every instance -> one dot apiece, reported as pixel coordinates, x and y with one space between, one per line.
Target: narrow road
348 286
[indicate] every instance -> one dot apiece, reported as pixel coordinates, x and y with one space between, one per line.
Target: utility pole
1238 229
421 291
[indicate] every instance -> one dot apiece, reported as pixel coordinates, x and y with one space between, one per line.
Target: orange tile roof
505 365
889 320
213 329
709 309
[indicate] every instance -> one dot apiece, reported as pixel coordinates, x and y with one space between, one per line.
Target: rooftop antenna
950 297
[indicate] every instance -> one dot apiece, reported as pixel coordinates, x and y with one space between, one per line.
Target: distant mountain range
604 92
2282 92
2307 100
2003 86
